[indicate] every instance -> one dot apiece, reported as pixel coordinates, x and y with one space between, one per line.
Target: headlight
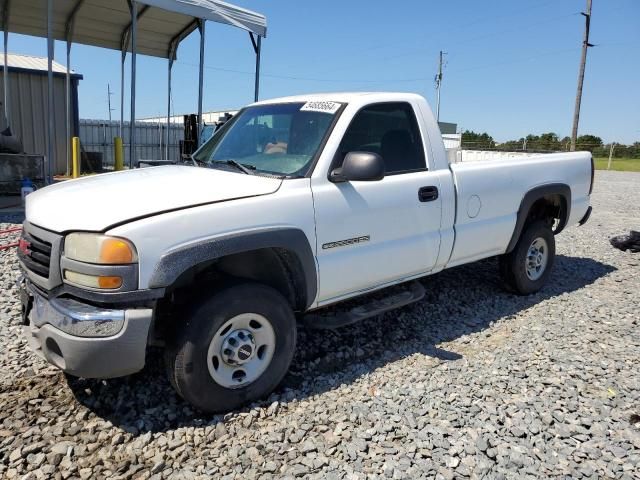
101 249
93 281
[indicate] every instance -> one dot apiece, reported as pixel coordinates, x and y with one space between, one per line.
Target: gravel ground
470 382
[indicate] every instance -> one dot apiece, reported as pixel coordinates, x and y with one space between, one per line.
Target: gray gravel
471 382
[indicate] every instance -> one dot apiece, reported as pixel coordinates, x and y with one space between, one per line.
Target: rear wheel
526 269
234 347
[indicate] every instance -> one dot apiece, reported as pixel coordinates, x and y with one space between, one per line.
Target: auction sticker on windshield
325 107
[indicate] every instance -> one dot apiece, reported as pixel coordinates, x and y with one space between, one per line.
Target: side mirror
359 166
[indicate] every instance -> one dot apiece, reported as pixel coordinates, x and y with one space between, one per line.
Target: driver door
373 233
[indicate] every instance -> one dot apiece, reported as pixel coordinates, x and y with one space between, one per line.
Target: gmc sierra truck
293 205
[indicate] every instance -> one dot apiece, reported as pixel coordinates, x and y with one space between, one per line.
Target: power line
436 35
484 66
284 77
519 60
421 51
378 82
493 33
418 79
479 37
399 80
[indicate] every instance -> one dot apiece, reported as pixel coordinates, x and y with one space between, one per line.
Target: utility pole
439 84
583 61
105 127
109 93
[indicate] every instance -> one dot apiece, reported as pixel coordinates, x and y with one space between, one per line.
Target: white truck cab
294 204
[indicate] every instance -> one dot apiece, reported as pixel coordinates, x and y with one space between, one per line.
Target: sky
511 65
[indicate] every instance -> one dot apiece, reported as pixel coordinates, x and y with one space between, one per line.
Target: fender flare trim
175 262
531 197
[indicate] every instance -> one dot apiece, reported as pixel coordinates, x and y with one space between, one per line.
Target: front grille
35 254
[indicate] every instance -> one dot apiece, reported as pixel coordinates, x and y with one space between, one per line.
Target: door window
390 130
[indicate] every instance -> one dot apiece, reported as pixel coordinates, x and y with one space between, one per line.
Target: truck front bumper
84 340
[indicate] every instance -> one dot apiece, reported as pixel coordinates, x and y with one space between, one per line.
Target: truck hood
98 202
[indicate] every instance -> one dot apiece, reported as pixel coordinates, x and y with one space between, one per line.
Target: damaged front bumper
82 339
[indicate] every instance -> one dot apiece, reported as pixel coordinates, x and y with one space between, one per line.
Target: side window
390 130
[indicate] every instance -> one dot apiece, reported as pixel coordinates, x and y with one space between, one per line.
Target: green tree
477 141
546 142
619 151
511 145
588 142
549 142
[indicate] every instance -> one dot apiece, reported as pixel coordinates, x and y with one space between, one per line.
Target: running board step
365 306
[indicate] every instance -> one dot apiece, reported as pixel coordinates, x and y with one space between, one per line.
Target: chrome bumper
76 318
84 340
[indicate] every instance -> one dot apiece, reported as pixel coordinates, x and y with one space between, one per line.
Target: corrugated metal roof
105 23
30 62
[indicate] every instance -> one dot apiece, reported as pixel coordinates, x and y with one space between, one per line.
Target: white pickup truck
293 205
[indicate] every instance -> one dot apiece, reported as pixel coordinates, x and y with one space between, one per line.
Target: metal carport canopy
150 27
106 23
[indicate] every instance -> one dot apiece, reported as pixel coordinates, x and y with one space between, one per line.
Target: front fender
175 262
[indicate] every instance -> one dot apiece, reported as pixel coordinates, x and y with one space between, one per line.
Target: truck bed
490 191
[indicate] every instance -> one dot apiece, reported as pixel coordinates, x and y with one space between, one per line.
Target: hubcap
241 350
537 257
238 347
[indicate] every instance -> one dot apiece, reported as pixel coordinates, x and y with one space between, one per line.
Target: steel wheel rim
241 350
537 258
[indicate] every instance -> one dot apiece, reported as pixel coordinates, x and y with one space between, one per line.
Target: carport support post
166 143
69 38
200 79
5 73
68 106
132 126
258 51
5 77
50 105
123 58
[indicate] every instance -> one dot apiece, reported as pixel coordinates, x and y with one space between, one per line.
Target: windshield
280 139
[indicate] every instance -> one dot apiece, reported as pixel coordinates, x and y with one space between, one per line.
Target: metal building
28 98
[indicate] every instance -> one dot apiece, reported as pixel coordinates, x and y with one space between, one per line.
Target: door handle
428 194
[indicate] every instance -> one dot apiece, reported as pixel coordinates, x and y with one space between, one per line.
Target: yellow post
118 149
75 157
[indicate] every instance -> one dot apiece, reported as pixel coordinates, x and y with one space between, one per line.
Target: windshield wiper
196 162
245 168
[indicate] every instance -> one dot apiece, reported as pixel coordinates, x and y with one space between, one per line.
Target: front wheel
234 347
526 269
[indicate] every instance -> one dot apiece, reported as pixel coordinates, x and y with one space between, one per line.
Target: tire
234 347
525 274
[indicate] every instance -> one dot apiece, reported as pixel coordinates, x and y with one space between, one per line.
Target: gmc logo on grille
23 246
